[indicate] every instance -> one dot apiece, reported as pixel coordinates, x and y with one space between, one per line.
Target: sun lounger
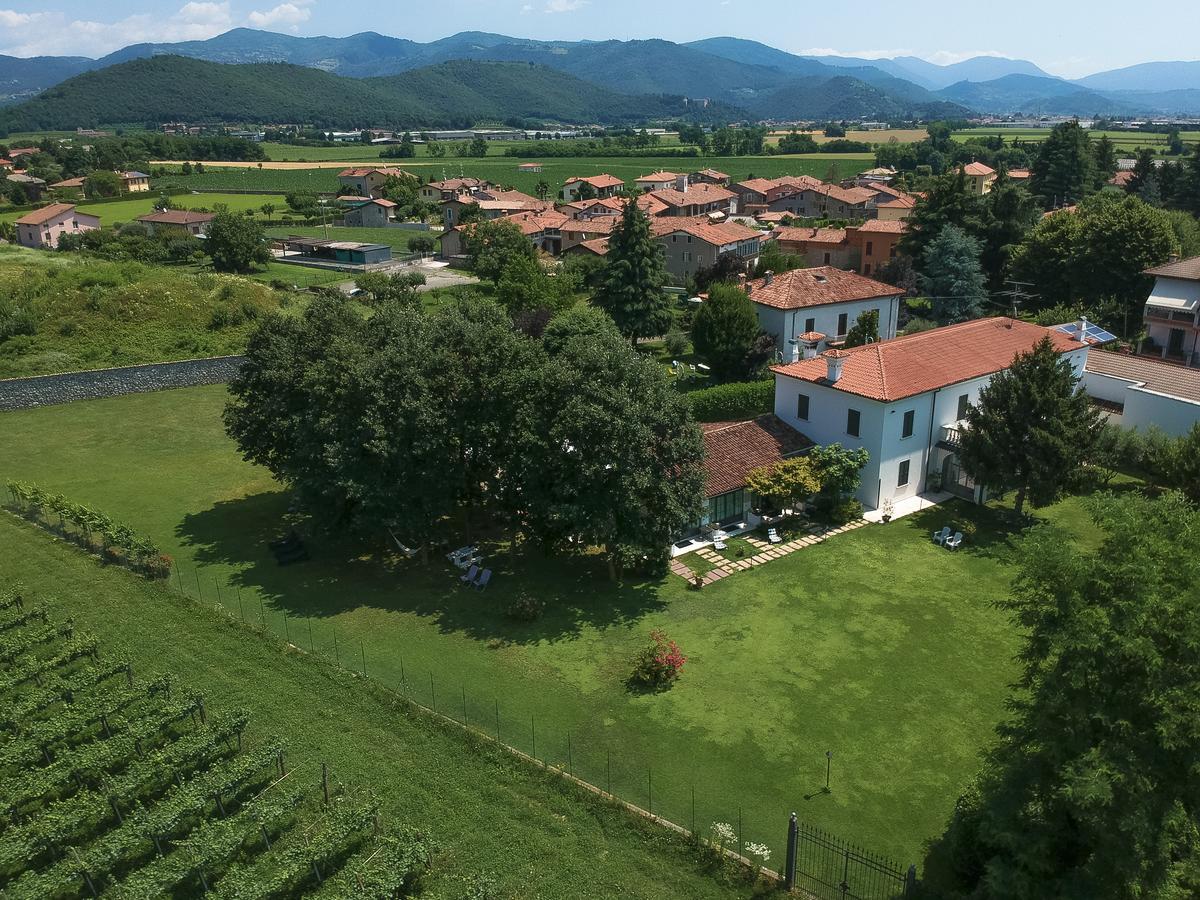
773 536
955 542
719 544
469 577
484 577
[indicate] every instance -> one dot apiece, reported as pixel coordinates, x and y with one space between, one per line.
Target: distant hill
1151 76
742 74
23 77
167 88
1033 95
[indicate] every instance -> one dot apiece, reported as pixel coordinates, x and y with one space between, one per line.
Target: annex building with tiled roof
903 400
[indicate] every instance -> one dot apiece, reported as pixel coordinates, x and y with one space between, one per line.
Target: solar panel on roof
1093 333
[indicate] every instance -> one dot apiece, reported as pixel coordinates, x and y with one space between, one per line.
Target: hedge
729 402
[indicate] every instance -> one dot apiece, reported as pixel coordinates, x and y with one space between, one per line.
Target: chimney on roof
820 278
1082 325
834 359
741 279
770 276
794 347
808 348
1173 258
681 183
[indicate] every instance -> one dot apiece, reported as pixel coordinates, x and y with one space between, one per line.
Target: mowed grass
486 815
123 211
876 645
396 238
503 170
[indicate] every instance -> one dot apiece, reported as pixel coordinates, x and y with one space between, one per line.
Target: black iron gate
828 868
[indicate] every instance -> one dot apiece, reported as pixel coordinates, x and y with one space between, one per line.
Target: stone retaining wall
45 390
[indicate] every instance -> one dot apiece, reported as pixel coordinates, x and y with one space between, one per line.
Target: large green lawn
503 170
1126 142
396 238
127 210
876 645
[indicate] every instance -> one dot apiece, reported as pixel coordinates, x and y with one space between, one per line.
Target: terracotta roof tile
978 168
599 181
804 235
916 363
718 235
1159 376
817 287
733 449
1188 269
45 214
883 226
696 194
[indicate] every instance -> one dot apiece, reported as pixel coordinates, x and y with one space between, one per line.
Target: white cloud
52 33
289 15
564 6
950 57
526 9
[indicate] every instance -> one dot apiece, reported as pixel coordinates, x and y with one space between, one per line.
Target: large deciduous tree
631 290
952 277
618 463
493 245
235 243
724 331
1031 428
1092 792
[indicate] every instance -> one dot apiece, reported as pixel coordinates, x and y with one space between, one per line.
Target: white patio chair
773 536
955 542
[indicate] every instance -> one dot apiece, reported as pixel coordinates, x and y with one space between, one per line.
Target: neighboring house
584 230
689 200
544 228
979 177
878 175
1021 176
6 165
875 243
194 223
659 181
1122 179
818 246
732 450
493 203
832 201
604 185
597 247
33 186
134 182
781 195
863 248
1142 392
368 181
1172 312
904 400
709 176
450 188
690 247
369 213
73 185
891 204
823 301
44 227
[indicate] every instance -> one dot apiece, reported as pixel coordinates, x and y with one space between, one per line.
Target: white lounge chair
469 577
955 542
719 544
940 537
773 536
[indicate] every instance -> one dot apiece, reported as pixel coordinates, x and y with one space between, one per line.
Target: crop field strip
114 787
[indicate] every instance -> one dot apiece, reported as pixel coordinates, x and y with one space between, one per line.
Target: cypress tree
631 290
1065 169
1031 427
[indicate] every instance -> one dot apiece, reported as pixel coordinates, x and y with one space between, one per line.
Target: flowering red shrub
659 664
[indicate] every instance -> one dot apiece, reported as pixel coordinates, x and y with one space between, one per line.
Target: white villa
904 400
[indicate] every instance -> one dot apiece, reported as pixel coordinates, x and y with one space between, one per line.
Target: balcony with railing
951 437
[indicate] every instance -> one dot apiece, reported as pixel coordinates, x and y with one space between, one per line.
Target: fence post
287 632
362 649
325 782
533 735
570 762
789 866
464 693
497 720
199 593
432 693
910 882
217 585
241 608
741 840
262 612
337 657
649 793
312 647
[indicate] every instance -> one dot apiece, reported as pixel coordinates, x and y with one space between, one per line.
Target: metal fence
828 868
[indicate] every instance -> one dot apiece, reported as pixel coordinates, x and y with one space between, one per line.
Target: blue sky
1065 37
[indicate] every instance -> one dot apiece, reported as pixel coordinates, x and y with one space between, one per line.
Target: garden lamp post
828 767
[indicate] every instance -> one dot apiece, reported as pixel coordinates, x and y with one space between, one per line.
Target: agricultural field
362 153
865 645
122 211
1126 142
488 822
503 170
900 135
60 312
136 785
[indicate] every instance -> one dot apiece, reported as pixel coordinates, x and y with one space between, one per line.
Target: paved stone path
765 552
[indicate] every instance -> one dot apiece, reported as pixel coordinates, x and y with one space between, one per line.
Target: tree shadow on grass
346 573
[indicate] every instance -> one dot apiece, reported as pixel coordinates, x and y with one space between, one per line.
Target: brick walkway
765 552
